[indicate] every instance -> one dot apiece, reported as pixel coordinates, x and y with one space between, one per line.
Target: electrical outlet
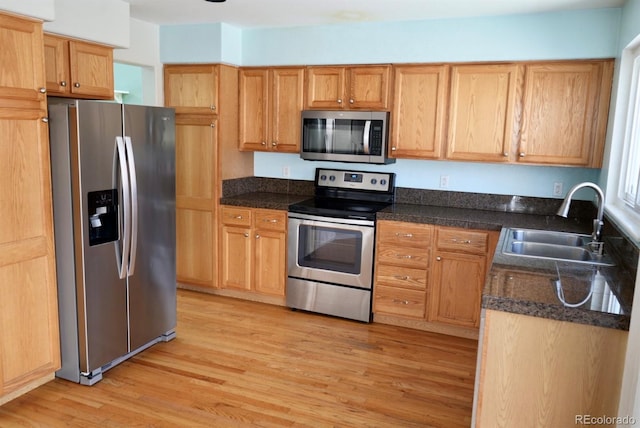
557 188
285 171
444 181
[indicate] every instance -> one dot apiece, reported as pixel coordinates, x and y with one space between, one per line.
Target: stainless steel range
331 242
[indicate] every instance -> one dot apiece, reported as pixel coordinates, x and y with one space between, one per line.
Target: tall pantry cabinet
205 97
29 343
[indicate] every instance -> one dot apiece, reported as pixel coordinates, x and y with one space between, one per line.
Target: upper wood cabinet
78 69
191 88
21 55
419 111
271 100
565 112
357 87
482 119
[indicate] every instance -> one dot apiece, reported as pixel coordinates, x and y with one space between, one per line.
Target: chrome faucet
597 223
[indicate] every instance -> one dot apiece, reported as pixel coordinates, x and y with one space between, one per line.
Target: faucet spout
563 211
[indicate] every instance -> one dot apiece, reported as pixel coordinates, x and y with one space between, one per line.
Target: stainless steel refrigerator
113 176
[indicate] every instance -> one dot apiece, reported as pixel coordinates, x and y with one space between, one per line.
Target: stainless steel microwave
345 136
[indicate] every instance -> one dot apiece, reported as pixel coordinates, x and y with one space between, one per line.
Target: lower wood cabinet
253 250
538 372
439 289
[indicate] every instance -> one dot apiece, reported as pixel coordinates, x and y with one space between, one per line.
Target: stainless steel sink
549 245
550 237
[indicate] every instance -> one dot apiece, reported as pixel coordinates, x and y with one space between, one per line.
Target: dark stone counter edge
558 313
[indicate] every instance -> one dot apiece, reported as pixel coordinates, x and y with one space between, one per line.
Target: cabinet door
270 261
457 283
191 88
326 88
91 69
419 109
237 257
56 59
481 114
369 87
29 343
22 58
560 105
196 195
287 102
254 105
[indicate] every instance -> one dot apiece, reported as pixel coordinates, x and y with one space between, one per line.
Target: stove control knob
383 182
323 177
332 178
374 181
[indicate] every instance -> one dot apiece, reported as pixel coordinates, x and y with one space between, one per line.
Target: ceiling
293 13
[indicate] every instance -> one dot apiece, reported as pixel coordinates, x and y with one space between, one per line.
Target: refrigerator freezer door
101 294
152 284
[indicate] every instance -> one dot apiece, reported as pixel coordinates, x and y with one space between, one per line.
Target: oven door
331 250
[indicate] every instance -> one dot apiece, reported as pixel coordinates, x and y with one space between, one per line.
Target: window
630 178
623 172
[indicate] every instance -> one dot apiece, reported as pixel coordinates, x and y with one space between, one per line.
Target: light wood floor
238 363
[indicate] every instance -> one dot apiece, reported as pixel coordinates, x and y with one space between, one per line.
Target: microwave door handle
328 136
365 136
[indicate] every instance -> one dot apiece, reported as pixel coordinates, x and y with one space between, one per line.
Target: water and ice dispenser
103 216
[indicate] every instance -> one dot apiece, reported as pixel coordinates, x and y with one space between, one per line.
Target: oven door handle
365 137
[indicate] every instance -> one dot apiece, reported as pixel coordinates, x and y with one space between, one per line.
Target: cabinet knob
438 258
76 85
257 236
522 154
43 90
213 125
213 107
339 101
45 119
63 83
246 234
275 143
505 154
393 149
351 101
263 143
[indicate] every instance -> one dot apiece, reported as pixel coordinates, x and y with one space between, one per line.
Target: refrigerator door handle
134 206
123 256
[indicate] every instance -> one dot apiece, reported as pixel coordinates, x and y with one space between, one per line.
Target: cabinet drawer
405 234
401 277
236 216
462 240
399 301
270 219
403 256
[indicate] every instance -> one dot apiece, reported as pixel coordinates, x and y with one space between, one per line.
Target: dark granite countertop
514 284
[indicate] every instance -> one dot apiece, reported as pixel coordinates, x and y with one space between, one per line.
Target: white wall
42 9
101 21
144 51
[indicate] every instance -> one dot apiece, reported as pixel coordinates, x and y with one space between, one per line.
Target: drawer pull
270 220
404 256
237 217
462 241
404 235
402 302
402 278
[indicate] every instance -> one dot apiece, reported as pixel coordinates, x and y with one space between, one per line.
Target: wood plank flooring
237 363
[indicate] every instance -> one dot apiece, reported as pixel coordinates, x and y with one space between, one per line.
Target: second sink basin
560 246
